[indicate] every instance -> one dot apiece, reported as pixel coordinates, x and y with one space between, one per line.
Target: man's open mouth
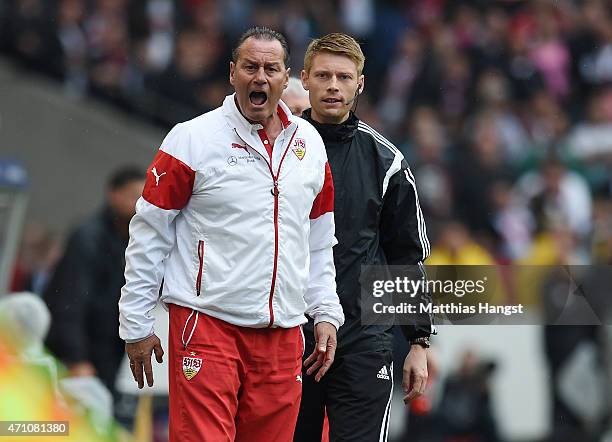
258 98
332 100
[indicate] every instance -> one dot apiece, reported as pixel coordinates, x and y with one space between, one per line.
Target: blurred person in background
26 317
454 92
548 49
38 255
477 165
184 88
494 99
456 246
513 222
547 123
379 222
428 150
492 47
560 203
296 97
154 23
72 35
108 49
524 76
591 141
590 43
601 239
49 394
465 411
574 299
29 35
556 195
84 290
407 78
237 218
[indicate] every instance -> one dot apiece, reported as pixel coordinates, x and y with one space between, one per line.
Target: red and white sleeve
168 188
321 297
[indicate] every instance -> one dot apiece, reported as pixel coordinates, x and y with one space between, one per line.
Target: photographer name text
448 309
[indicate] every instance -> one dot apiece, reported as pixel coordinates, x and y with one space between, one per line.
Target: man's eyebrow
269 63
273 63
327 71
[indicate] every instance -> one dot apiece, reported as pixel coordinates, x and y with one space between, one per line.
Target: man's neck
271 124
328 120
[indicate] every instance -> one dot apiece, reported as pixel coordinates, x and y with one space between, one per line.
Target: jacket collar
334 132
247 131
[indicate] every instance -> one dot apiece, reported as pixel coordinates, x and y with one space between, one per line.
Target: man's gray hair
262 33
295 87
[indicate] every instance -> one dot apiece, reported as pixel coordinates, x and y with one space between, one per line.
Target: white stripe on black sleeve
425 246
420 220
395 167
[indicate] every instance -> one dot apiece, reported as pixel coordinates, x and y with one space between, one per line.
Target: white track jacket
234 234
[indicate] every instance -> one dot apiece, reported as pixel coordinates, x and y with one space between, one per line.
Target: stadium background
503 109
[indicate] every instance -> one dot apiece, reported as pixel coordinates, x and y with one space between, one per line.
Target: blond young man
378 221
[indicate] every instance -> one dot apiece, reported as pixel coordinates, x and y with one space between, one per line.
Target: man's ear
304 78
231 72
361 84
287 72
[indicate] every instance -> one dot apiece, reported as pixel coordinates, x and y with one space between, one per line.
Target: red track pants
245 383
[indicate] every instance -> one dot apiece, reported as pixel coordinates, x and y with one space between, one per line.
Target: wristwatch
423 342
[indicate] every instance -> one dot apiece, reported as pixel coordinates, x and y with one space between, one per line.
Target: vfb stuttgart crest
299 148
191 366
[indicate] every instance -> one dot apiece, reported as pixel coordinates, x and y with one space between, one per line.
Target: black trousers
356 392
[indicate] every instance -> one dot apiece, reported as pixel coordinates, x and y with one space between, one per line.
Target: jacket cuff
411 332
326 318
134 340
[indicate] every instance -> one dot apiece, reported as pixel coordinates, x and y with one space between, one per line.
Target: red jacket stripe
324 202
283 116
169 182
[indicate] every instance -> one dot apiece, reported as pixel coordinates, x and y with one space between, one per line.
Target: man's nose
260 75
333 84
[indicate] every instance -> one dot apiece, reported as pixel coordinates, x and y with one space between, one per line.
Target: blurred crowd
503 108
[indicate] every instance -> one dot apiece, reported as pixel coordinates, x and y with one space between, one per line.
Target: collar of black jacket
334 132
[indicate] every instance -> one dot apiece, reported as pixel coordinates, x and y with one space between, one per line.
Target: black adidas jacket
378 221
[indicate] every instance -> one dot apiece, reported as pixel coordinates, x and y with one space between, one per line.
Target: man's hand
324 352
415 373
139 354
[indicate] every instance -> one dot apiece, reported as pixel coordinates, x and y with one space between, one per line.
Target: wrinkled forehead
261 51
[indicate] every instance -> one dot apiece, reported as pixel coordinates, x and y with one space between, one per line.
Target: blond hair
338 44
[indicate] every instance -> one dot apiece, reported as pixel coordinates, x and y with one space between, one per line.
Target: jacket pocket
200 266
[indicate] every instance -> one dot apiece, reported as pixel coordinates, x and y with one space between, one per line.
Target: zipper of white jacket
275 193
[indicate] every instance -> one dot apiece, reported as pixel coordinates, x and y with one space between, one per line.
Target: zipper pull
274 191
